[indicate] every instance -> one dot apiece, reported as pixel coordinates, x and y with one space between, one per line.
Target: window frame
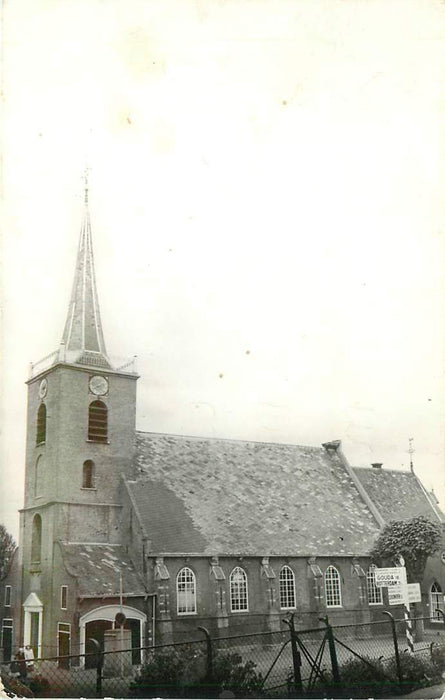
186 579
38 486
41 424
8 596
89 464
284 587
64 594
236 593
330 575
371 588
436 601
36 539
95 421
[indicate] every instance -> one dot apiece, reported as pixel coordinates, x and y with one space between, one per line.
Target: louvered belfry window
41 424
98 422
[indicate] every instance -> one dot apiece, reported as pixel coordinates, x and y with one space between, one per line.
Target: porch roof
97 568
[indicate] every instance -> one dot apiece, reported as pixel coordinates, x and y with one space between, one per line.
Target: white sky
266 196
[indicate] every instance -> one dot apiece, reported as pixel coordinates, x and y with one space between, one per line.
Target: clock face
98 385
43 388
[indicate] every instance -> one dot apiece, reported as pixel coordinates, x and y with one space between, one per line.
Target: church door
95 629
63 644
7 639
34 634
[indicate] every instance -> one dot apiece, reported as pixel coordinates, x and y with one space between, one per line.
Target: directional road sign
390 576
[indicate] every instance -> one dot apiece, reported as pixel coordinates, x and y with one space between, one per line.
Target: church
179 532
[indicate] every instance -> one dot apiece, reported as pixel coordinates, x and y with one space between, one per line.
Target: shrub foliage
415 539
182 673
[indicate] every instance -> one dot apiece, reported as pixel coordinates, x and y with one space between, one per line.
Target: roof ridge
93 544
382 471
223 439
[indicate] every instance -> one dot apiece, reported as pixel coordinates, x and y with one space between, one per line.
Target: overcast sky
266 197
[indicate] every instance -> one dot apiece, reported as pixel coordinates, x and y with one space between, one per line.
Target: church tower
80 441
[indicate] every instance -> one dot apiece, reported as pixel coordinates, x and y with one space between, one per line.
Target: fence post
296 656
99 664
209 656
396 647
332 653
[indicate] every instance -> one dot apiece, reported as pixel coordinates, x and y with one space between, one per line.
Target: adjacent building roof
97 568
397 494
214 496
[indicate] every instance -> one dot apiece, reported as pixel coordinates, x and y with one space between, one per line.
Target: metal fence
288 663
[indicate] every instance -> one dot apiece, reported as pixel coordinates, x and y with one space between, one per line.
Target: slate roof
214 496
398 495
97 568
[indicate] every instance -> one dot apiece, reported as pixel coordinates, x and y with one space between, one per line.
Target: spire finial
85 179
411 451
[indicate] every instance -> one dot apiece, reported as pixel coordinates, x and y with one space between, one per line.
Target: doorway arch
95 622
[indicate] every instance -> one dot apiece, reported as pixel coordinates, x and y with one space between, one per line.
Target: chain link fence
371 659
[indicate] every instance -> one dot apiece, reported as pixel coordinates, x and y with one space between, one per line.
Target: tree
7 548
415 539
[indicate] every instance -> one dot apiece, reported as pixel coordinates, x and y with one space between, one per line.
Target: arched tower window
36 540
88 475
39 477
98 422
186 591
436 602
238 590
374 592
332 587
41 424
287 588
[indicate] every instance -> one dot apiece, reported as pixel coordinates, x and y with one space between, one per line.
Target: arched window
98 422
436 602
41 424
374 592
39 477
186 591
287 588
88 475
238 590
332 587
36 540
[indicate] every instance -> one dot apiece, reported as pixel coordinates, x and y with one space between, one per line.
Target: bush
15 688
39 686
417 672
438 656
181 673
364 678
168 672
232 675
368 677
359 678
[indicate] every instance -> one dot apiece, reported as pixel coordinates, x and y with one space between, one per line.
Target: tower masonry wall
54 467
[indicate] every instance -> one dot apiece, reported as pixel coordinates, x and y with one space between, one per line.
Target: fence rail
290 662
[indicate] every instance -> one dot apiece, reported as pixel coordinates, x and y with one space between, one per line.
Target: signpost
399 593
